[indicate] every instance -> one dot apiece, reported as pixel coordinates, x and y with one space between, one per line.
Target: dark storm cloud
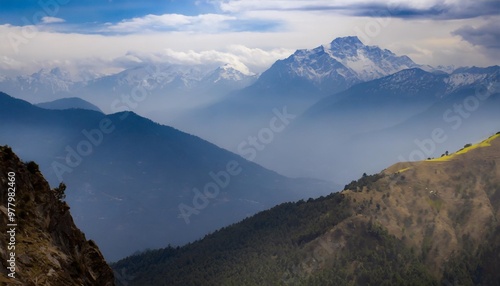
462 9
486 36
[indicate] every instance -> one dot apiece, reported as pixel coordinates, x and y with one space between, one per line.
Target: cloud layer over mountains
249 34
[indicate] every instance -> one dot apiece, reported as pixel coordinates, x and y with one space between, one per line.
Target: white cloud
172 22
51 20
258 59
112 53
247 60
426 41
486 35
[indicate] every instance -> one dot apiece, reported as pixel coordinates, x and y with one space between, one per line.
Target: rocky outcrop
47 246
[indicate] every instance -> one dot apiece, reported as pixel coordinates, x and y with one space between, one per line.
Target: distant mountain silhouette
134 184
68 103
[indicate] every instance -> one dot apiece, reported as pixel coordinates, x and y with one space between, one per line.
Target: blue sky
100 11
107 35
123 16
15 12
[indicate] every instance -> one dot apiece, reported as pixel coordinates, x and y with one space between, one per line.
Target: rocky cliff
40 243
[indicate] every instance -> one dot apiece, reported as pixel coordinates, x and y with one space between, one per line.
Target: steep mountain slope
366 120
68 103
125 170
296 82
432 222
48 248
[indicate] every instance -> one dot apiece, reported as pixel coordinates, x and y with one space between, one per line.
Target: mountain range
194 89
297 82
167 84
44 85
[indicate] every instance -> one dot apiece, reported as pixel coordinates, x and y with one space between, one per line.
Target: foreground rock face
49 248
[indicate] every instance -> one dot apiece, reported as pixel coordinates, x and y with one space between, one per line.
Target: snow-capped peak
464 77
53 80
229 73
54 73
345 44
342 63
368 62
238 67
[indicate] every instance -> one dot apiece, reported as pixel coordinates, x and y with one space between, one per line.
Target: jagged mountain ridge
335 67
158 77
162 79
367 62
408 83
49 248
43 85
431 222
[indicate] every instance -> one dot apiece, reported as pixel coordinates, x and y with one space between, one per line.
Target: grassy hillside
421 223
